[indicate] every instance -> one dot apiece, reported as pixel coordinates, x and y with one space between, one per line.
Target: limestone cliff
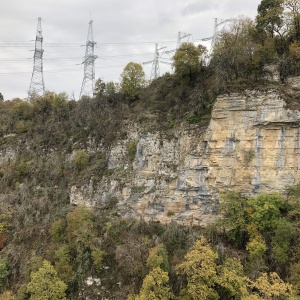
251 145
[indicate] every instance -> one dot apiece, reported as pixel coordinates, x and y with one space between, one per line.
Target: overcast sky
125 30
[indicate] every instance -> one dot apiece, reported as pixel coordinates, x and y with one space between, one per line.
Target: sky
124 30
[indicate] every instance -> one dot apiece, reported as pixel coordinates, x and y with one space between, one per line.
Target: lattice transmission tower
37 85
155 72
217 23
181 36
88 82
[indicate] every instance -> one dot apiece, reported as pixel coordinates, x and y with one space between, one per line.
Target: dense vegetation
51 250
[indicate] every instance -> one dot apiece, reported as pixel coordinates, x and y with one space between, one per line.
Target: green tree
112 88
200 268
1 97
294 204
158 258
99 89
103 89
233 209
132 80
186 60
97 256
256 245
83 241
237 55
45 284
57 231
281 240
269 287
155 286
232 279
294 277
265 211
81 229
292 8
269 17
63 264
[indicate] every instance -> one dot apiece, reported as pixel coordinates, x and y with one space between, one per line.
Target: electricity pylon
216 31
88 82
180 37
155 62
37 85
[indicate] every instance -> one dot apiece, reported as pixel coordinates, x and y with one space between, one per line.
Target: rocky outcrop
6 155
251 145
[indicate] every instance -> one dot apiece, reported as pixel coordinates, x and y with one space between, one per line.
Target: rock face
6 155
251 145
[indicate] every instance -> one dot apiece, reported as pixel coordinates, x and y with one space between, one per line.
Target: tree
158 258
269 16
186 60
155 286
200 268
294 277
45 284
57 231
233 208
63 264
1 97
81 228
238 55
270 286
293 17
232 280
132 80
112 88
294 203
265 211
256 246
108 89
83 241
281 240
99 89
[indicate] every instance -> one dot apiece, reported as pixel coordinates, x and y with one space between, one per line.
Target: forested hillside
50 249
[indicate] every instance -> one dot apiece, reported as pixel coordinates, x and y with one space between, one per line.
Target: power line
46 45
76 58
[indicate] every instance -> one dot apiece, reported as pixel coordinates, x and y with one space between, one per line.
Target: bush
193 118
132 149
81 160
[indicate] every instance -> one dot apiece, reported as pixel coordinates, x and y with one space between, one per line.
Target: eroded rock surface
251 145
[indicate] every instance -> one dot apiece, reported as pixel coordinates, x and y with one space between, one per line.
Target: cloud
200 7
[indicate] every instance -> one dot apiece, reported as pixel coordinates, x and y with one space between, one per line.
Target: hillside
183 188
155 161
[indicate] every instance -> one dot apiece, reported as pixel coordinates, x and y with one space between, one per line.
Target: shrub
193 118
80 159
132 149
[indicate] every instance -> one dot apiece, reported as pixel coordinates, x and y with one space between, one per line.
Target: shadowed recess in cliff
280 163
